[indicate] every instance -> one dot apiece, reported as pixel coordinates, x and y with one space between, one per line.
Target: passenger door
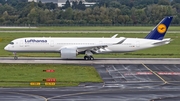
52 43
21 43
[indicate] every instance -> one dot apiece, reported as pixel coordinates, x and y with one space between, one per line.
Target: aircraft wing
98 46
94 47
164 41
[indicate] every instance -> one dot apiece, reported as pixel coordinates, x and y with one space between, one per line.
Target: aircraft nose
6 48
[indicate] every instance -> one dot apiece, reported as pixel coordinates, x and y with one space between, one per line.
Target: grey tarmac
125 79
96 61
87 94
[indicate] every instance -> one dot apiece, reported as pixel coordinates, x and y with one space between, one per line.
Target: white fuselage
39 44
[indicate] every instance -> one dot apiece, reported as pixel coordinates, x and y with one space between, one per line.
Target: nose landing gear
15 57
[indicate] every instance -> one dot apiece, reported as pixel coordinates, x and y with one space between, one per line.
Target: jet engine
68 53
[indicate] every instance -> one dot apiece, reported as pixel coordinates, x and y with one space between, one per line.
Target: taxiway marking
45 99
74 94
155 74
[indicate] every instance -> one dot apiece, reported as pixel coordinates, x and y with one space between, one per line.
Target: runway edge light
35 83
50 79
50 83
49 70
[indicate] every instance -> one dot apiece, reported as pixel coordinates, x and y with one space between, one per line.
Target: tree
81 6
177 7
74 4
41 5
140 16
176 19
120 19
5 15
51 6
126 18
67 5
115 4
176 1
104 3
9 9
2 1
125 10
103 17
2 19
87 12
106 12
78 15
33 16
113 14
164 2
68 14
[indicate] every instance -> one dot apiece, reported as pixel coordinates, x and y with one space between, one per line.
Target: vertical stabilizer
159 31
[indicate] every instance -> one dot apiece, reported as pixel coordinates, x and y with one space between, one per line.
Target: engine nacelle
68 53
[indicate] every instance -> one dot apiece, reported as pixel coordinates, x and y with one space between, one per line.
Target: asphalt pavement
132 81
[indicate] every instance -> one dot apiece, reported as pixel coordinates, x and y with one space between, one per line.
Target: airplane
70 47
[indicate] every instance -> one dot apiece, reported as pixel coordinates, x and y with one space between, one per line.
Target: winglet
123 39
159 31
114 36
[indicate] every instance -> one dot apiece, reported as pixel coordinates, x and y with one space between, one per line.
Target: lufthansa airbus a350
69 48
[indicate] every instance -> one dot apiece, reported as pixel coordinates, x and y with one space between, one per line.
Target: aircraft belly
39 48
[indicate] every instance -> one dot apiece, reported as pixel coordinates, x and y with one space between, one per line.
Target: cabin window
12 43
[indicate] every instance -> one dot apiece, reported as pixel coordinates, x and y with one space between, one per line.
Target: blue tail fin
160 30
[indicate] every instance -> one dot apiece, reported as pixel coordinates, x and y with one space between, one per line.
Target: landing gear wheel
15 57
88 58
91 58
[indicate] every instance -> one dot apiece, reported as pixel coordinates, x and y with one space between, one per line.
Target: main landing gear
88 58
88 55
15 57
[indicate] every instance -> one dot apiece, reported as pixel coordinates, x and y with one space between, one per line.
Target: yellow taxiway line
155 74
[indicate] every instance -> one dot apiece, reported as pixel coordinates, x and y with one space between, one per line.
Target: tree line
110 12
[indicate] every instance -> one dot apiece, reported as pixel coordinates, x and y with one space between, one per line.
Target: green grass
90 28
171 50
20 75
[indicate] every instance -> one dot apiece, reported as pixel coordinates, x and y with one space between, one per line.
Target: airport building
62 2
33 0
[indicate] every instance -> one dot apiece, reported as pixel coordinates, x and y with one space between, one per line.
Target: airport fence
59 25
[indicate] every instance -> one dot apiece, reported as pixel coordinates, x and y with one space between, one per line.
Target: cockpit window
11 43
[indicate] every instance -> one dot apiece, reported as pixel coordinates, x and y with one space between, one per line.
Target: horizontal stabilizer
164 41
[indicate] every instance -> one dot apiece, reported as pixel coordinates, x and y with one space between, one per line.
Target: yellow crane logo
161 28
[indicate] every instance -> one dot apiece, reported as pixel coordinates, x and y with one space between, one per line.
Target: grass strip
20 75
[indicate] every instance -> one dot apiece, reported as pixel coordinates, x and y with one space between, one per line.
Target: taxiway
124 80
96 61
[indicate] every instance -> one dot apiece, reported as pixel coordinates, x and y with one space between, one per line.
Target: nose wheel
15 57
88 58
